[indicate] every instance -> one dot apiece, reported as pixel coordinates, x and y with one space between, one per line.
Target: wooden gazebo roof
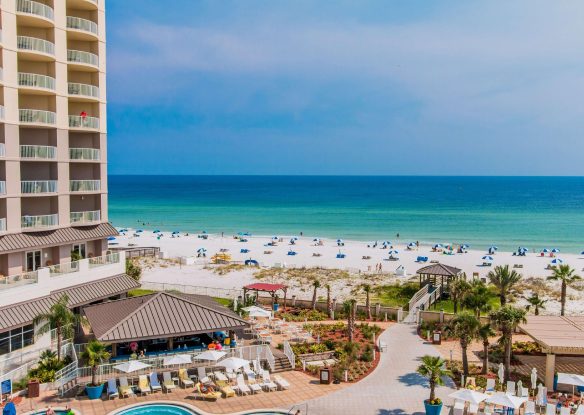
439 270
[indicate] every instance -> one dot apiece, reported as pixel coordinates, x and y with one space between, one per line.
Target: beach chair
225 389
281 382
154 382
267 383
247 371
490 385
125 389
241 387
211 395
183 378
564 410
473 408
252 383
167 382
202 375
112 389
143 385
579 410
510 387
220 376
524 392
550 409
257 367
230 373
529 408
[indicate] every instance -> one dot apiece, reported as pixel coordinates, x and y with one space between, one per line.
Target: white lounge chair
529 408
524 392
154 382
550 409
510 387
473 408
112 389
231 375
241 387
490 385
167 382
252 383
579 410
183 379
281 382
267 383
202 375
565 410
143 385
247 370
220 376
125 389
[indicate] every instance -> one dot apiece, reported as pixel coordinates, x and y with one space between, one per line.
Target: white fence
289 354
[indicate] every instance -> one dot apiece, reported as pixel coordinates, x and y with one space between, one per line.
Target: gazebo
272 289
430 274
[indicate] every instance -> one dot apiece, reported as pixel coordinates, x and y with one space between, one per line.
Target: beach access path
394 387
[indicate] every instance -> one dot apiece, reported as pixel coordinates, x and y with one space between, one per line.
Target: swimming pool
174 409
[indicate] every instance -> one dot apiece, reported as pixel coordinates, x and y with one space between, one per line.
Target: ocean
536 212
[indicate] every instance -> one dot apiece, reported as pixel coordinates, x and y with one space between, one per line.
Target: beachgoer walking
397 236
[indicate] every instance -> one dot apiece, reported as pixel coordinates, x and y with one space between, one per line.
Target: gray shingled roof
20 241
440 270
18 315
159 315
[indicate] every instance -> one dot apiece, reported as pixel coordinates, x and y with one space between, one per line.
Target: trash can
437 337
326 376
276 306
34 389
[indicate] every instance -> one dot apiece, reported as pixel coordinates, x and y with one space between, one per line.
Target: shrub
133 269
367 355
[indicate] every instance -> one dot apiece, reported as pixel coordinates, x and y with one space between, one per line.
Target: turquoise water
169 409
536 212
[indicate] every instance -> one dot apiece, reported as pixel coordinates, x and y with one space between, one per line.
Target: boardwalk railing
289 354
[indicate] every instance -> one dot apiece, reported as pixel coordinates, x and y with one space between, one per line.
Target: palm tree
504 279
329 302
350 308
536 302
567 276
94 354
458 290
484 333
367 290
477 298
464 326
316 286
60 318
434 369
507 318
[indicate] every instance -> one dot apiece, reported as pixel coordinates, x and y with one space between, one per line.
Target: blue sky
346 87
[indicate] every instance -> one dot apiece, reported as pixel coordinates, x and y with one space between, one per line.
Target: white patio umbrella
177 359
131 366
533 378
213 355
571 379
233 363
508 401
501 373
255 311
468 395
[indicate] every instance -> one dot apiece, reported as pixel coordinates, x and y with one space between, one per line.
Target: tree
536 302
133 269
458 290
367 290
505 280
434 369
60 318
316 286
477 298
484 333
464 326
350 309
94 354
329 302
507 318
567 276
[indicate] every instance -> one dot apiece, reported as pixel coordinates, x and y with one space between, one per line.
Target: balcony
89 217
90 92
39 222
36 81
82 58
84 185
38 152
30 8
18 280
36 46
84 154
83 29
37 117
3 225
101 261
83 123
2 187
82 4
38 186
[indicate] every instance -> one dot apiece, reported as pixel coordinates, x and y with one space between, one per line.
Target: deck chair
529 408
183 378
125 389
267 383
473 408
579 410
490 385
247 370
241 387
550 409
281 382
257 367
213 396
524 392
225 389
220 376
564 410
167 382
230 374
143 385
112 389
154 382
202 375
253 383
511 387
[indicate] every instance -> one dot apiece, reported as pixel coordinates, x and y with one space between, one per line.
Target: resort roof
440 270
158 316
20 314
556 334
260 286
20 241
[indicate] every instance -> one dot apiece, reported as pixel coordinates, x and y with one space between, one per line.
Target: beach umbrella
505 400
555 250
501 373
177 359
9 409
533 378
316 240
571 379
111 238
131 366
234 363
156 231
140 231
274 238
437 246
339 240
487 258
213 355
412 245
468 395
582 253
557 261
393 252
201 250
175 232
255 311
545 250
493 248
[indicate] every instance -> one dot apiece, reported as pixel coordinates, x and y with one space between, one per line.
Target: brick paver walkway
394 388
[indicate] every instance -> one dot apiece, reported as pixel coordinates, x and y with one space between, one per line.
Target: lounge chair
202 375
220 376
457 411
524 392
112 389
143 385
225 389
248 372
564 410
183 378
267 383
510 387
167 382
579 410
473 408
241 387
206 395
154 382
252 383
281 382
125 389
529 408
550 409
230 374
490 385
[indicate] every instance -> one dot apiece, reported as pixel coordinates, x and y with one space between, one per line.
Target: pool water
167 409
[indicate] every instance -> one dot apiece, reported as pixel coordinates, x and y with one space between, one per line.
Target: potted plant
434 369
94 354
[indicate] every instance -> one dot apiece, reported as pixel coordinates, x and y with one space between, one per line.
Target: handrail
38 152
35 8
87 216
84 154
36 116
79 23
289 354
77 121
36 80
76 88
38 186
81 56
84 185
2 187
36 44
39 221
269 356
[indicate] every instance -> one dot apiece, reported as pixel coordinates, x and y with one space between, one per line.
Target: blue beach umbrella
465 246
140 231
156 231
200 250
487 258
274 238
111 238
175 232
438 246
339 240
557 261
393 252
555 250
545 250
493 248
582 253
412 245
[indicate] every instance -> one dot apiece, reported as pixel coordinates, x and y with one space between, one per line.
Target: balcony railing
64 268
78 23
36 116
38 186
2 150
39 221
3 225
34 80
2 187
90 216
85 185
100 261
35 44
35 8
79 56
84 90
12 281
1 112
92 154
77 121
38 152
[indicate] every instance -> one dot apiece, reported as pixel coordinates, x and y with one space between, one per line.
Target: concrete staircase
282 364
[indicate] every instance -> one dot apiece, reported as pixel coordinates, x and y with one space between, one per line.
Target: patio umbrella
233 363
274 238
177 359
545 250
571 379
505 400
131 366
487 258
501 373
493 248
255 311
533 378
393 252
557 261
339 241
412 245
111 238
175 232
438 246
468 395
210 355
201 250
555 250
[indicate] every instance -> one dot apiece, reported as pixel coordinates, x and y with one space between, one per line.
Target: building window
80 249
33 260
13 340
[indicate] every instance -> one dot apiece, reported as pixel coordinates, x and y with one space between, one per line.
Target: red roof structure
269 288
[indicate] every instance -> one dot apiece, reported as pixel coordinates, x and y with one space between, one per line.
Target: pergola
430 274
555 335
272 289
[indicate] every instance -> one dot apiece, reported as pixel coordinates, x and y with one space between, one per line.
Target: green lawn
139 292
448 305
222 301
394 295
